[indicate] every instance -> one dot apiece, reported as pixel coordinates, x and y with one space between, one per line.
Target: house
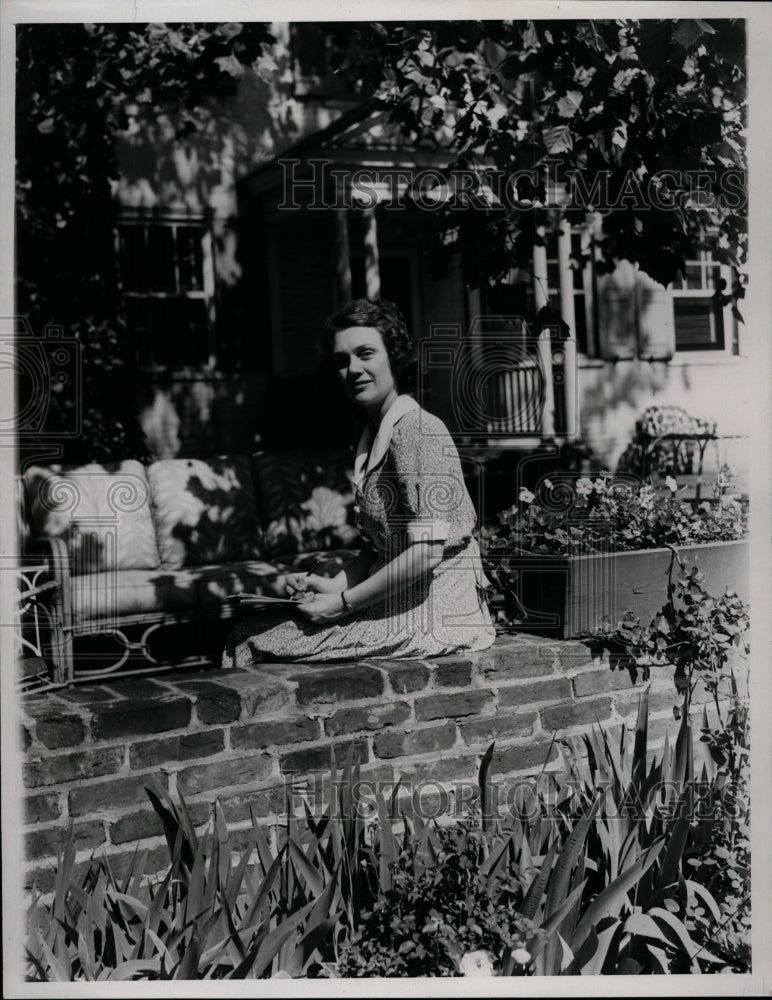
227 287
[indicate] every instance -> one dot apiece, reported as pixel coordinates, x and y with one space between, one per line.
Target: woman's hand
322 609
298 584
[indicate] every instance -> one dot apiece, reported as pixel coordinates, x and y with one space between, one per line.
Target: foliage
587 873
694 631
637 106
439 910
75 86
698 634
612 514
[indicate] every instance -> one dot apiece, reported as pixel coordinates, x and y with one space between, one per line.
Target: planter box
566 595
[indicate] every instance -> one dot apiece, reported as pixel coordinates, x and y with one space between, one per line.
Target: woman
416 587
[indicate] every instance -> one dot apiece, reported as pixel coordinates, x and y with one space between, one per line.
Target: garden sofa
136 548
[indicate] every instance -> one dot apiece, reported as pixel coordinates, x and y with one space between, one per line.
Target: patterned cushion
101 511
204 511
100 597
305 499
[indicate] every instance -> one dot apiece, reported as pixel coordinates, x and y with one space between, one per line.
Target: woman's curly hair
387 320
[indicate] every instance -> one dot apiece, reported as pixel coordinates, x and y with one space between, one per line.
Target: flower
476 963
525 496
671 484
584 487
521 956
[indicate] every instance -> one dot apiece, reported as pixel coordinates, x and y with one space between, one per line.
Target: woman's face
362 362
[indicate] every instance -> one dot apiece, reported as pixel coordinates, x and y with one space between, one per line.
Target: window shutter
617 312
656 329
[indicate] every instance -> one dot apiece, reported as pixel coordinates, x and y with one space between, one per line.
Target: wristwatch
345 601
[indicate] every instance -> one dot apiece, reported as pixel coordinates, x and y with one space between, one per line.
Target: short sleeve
427 477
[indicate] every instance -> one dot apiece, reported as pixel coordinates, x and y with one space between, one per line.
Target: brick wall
240 735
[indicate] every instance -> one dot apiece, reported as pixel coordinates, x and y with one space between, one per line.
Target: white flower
671 484
476 963
583 487
525 496
521 956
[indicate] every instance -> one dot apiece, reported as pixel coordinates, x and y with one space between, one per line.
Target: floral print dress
408 487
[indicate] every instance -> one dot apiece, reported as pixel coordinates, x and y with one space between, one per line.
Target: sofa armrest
54 552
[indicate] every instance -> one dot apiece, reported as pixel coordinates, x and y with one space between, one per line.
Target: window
578 281
168 288
699 319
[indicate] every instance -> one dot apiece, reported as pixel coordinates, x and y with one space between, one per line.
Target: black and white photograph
385 468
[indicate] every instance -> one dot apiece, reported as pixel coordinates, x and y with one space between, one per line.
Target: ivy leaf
570 104
689 30
558 139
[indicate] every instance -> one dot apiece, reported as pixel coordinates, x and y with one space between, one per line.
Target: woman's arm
410 565
349 576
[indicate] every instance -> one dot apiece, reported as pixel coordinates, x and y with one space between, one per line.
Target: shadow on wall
199 413
233 135
613 398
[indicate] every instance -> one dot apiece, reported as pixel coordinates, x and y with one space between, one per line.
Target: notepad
260 599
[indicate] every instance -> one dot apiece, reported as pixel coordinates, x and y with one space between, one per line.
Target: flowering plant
615 513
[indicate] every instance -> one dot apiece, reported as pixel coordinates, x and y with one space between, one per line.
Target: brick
151 753
523 757
224 773
137 688
72 766
338 683
523 695
26 739
318 758
58 731
627 704
41 879
448 767
147 823
444 706
140 717
452 671
405 744
86 695
601 681
578 714
261 693
108 795
406 676
573 655
157 861
263 802
47 843
214 702
41 808
271 734
499 726
353 720
511 662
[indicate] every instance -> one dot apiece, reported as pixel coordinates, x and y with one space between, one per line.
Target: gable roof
363 136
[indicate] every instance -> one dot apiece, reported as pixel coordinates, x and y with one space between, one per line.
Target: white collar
373 445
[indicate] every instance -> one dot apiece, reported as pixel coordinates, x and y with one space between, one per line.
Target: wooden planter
566 595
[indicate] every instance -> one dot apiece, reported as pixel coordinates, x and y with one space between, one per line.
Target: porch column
543 344
568 315
342 252
372 268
